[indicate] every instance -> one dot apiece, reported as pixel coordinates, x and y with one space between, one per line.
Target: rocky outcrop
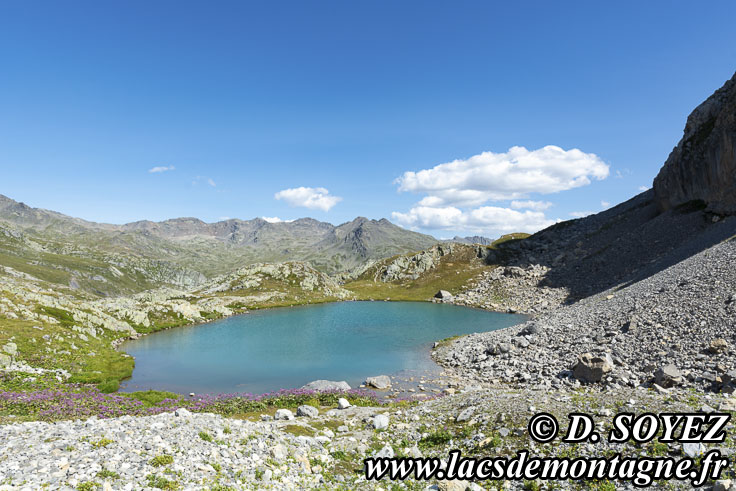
412 267
702 167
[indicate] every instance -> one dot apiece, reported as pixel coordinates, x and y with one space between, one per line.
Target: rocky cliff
702 167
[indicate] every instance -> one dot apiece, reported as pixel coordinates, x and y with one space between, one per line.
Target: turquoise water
264 351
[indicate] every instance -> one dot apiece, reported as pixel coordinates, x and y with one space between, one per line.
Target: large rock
702 167
5 360
591 368
283 414
322 385
308 411
443 295
668 376
380 382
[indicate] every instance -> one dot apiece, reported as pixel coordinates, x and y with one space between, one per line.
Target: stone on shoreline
322 385
381 382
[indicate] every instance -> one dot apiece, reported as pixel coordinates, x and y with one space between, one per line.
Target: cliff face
703 164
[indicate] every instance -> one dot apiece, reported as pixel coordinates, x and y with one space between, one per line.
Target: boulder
591 368
5 360
718 346
324 385
342 403
308 411
465 415
387 451
283 414
668 376
380 422
380 382
11 349
443 295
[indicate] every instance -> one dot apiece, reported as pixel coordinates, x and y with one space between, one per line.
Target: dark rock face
702 167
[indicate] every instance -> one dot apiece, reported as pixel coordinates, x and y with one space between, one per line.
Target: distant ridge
215 248
475 239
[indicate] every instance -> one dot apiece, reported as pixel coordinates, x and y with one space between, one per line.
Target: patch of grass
437 438
102 443
160 482
87 486
107 474
64 317
205 436
161 460
108 386
298 430
154 397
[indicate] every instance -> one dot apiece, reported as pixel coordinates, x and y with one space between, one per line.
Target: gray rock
308 411
5 360
380 422
380 382
465 414
723 485
283 414
183 413
668 376
324 385
11 349
342 403
693 449
443 295
387 451
591 368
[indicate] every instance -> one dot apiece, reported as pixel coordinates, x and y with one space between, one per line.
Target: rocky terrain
702 167
632 309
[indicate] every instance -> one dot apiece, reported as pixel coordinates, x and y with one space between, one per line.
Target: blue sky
336 107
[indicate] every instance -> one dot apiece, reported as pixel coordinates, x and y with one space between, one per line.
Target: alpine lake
267 350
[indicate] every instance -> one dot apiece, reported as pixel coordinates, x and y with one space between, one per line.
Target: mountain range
185 251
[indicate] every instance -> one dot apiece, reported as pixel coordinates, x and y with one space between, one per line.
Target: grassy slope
452 274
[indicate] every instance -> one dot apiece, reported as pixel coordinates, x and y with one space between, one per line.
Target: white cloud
605 204
486 219
531 205
502 176
312 198
208 180
580 214
644 188
222 219
161 168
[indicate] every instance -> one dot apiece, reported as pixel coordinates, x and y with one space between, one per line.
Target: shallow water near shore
264 351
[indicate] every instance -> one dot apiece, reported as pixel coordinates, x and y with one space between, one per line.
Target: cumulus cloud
531 205
458 195
605 204
504 176
312 198
161 168
644 188
478 220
